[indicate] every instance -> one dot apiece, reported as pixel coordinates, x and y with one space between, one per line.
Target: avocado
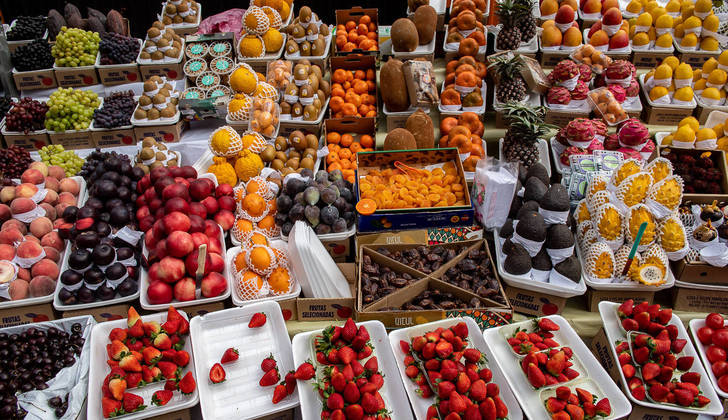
526 207
541 261
535 189
569 268
506 231
559 237
518 261
539 171
555 199
531 226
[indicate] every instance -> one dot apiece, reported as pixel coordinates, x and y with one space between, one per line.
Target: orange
371 75
268 222
350 25
366 206
349 110
333 138
362 29
338 90
253 186
366 141
254 204
355 147
372 86
333 166
371 114
346 140
258 239
260 258
340 41
240 264
280 280
345 163
353 36
365 19
353 98
360 86
345 153
244 225
360 74
339 76
336 103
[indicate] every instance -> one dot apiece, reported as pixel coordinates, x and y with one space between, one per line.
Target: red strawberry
230 355
346 355
472 413
130 363
268 363
672 331
279 393
665 374
554 405
171 326
161 397
641 355
290 382
691 377
630 324
638 393
270 378
110 407
133 380
684 397
147 374
664 316
305 371
457 403
462 383
472 355
535 377
151 355
418 343
372 365
702 401
257 320
689 386
556 363
364 353
584 395
444 389
685 362
377 380
187 384
404 346
624 358
349 330
563 393
604 408
460 329
132 403
443 349
547 324
217 373
369 403
628 371
487 409
650 371
643 320
570 373
625 309
478 390
171 385
335 401
485 374
351 393
448 336
169 370
678 344
658 392
411 371
575 412
354 412
182 358
162 342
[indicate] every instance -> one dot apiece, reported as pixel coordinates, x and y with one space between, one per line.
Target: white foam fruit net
620 260
590 237
609 223
600 262
243 113
659 168
263 271
256 144
255 21
234 146
668 192
655 255
673 238
633 189
247 288
263 189
582 214
274 17
597 200
624 170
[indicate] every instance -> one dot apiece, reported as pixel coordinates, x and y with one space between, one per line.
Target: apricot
45 267
592 6
41 226
29 249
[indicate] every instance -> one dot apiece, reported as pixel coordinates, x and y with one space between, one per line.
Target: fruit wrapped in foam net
633 189
659 168
673 238
624 170
620 259
664 197
608 225
600 262
635 216
225 142
597 200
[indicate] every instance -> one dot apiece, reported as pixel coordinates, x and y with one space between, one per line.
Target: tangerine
254 204
366 141
244 225
366 206
280 280
260 258
333 138
268 222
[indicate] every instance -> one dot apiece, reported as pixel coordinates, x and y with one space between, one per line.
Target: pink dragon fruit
558 95
565 70
630 153
571 150
585 72
633 89
620 69
618 91
633 133
611 142
595 145
580 91
561 136
647 150
580 132
599 127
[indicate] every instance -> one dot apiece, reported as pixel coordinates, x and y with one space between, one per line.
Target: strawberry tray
392 392
240 396
585 384
531 327
529 398
695 325
476 340
99 369
614 331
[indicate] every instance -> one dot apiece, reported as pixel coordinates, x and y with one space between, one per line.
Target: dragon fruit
580 91
558 95
571 150
620 69
633 89
595 145
561 136
565 70
618 91
630 153
579 132
585 72
611 142
599 127
633 133
647 149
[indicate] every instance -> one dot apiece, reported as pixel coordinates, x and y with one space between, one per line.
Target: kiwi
285 108
293 163
277 164
311 141
148 142
298 140
310 113
281 144
293 154
268 154
307 163
309 152
281 156
305 48
296 110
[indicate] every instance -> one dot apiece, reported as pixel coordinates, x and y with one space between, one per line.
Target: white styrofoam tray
241 396
613 329
230 276
530 47
418 52
476 340
695 325
479 111
99 369
185 25
543 153
531 400
392 392
646 91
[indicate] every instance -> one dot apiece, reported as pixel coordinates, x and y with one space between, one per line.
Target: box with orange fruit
591 11
560 33
465 34
356 31
464 132
610 35
353 87
256 209
344 139
464 88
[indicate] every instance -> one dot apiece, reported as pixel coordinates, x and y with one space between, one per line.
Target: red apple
150 239
143 212
197 223
175 190
179 244
199 238
176 204
191 264
213 284
212 230
215 245
223 189
176 221
159 214
198 209
175 171
182 181
150 194
146 223
225 218
199 190
226 202
143 184
168 270
159 292
163 183
155 204
184 289
217 263
157 173
209 182
211 205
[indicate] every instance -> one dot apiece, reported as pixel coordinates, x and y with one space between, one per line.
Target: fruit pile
463 83
464 132
445 358
160 37
248 85
466 23
656 353
611 32
699 170
237 158
560 31
14 160
583 137
33 56
569 88
360 35
304 91
55 154
549 367
179 214
75 47
145 353
541 338
261 30
651 30
619 78
353 93
159 100
40 353
605 104
579 404
695 29
95 21
592 57
26 115
710 84
294 153
28 237
324 201
714 336
71 109
308 35
179 12
118 49
343 149
671 82
689 135
116 110
153 154
265 117
27 27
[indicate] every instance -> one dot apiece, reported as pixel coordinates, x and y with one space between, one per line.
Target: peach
184 289
67 198
7 252
51 197
551 37
15 223
45 267
22 205
30 237
610 4
40 226
33 176
56 172
52 184
25 190
42 286
168 270
599 38
29 249
5 213
39 166
217 263
570 3
53 240
612 16
69 185
565 14
619 40
23 273
226 219
595 27
18 289
52 253
10 236
592 6
7 194
50 211
572 37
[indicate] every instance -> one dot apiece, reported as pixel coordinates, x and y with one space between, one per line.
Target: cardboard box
113 137
76 76
329 309
119 74
30 141
75 139
34 80
185 414
461 215
561 118
648 59
355 13
166 133
664 115
593 297
353 63
696 59
102 314
645 413
420 236
399 119
288 309
718 157
26 314
287 127
172 71
697 300
203 309
549 59
699 272
534 303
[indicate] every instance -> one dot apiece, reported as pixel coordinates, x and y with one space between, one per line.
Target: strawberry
116 350
702 401
217 373
557 363
622 346
270 378
638 393
554 405
457 403
132 403
364 353
257 320
230 355
570 373
358 343
428 351
575 412
369 403
351 393
485 374
354 412
658 392
604 408
472 413
182 358
443 349
472 355
137 345
628 370
624 358
689 386
625 309
460 329
346 355
684 397
478 390
412 371
641 355
117 387
363 333
372 365
665 374
590 410
279 393
187 384
170 385
584 395
349 330
561 415
487 409
151 328
162 342
661 346
136 330
305 371
448 336
147 374
171 326
630 324
669 360
672 331
418 343
684 363
472 374
462 383
151 355
161 397
664 316
156 373
650 371
377 380
643 320
678 344
169 370
133 380
444 389
111 407
546 324
290 382
335 401
268 363
563 393
333 356
130 363
535 377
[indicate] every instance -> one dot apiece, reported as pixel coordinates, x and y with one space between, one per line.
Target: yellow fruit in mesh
248 165
684 71
258 239
705 134
254 204
651 5
268 222
697 74
717 77
627 168
691 122
638 216
669 193
243 80
718 128
255 21
582 212
253 141
273 40
723 58
260 258
240 263
711 23
223 171
703 6
684 94
603 265
709 93
689 40
273 17
266 91
709 44
251 46
597 184
692 22
225 142
664 22
678 30
244 225
723 143
637 190
664 41
280 280
659 169
239 107
249 285
610 223
672 236
673 6
620 259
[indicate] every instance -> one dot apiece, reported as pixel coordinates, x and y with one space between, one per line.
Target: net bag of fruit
635 216
600 263
664 197
624 170
225 142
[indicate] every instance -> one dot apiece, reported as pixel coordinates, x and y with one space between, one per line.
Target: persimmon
340 42
346 153
363 109
338 91
367 43
447 123
459 130
469 165
331 158
477 150
350 25
339 76
355 148
478 36
365 19
340 28
349 109
348 47
463 68
481 70
468 46
372 27
334 166
362 29
367 99
366 141
346 85
450 78
444 140
333 138
371 86
450 96
345 163
451 66
346 141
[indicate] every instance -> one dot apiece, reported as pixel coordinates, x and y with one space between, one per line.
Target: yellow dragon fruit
659 168
669 192
627 168
672 235
582 212
633 190
609 222
600 261
638 215
620 260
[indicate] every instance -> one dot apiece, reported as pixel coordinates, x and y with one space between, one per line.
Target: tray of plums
101 263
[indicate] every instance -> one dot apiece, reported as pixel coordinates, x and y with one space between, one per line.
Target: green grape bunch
55 154
75 47
71 109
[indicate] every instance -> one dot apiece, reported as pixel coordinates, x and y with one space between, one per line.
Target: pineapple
526 21
525 128
509 37
510 86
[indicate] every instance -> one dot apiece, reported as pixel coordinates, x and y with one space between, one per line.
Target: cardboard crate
648 59
20 315
462 215
534 303
420 236
30 141
288 309
74 139
719 161
353 63
603 352
549 59
329 309
102 314
561 118
698 272
593 297
76 76
696 59
355 13
119 74
172 71
34 80
113 137
166 133
697 300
